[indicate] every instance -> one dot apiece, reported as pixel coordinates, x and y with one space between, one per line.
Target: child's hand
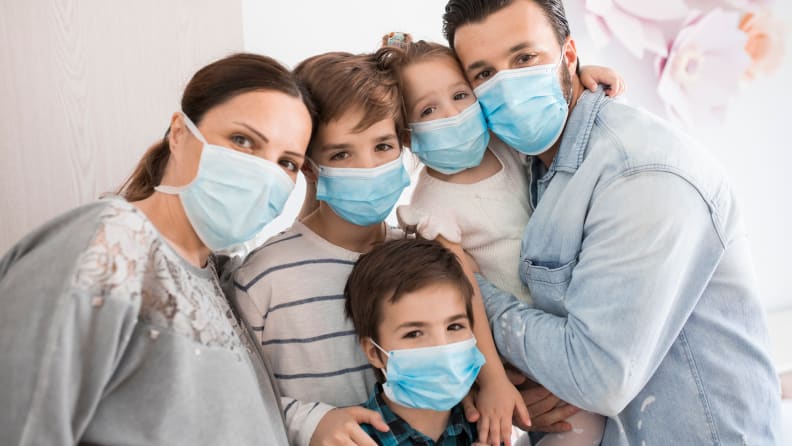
341 426
592 75
497 403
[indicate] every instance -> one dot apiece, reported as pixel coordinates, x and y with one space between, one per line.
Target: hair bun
396 39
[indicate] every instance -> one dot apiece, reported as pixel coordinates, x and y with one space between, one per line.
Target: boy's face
338 144
435 88
431 316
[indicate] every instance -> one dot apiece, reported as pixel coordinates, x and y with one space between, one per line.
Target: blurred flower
704 66
635 23
765 44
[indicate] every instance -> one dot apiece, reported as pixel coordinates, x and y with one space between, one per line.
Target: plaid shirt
458 433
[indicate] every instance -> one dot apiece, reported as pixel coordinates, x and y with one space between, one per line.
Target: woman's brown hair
211 86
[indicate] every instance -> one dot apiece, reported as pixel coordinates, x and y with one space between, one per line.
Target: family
567 264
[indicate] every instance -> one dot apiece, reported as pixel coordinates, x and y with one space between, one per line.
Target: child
410 303
291 289
473 191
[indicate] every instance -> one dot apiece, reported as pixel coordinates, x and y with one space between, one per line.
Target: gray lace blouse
107 336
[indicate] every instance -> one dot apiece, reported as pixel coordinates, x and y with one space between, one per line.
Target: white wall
85 87
751 144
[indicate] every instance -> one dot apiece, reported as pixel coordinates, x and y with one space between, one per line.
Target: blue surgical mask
451 145
435 378
362 196
525 107
233 196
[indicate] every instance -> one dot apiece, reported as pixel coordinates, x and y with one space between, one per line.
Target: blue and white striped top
290 290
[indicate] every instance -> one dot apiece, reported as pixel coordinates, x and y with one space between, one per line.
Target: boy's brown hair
393 269
340 82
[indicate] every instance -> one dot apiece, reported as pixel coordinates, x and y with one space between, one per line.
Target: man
645 304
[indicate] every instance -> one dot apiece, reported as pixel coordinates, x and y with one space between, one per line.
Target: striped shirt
291 292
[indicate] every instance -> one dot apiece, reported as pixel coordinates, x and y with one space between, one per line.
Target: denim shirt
646 307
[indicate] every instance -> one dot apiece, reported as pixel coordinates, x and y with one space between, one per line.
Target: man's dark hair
463 12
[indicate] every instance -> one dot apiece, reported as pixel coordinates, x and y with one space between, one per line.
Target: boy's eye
242 141
412 335
289 165
339 156
461 95
427 111
456 327
383 147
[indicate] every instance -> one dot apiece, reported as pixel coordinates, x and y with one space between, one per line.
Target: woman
114 329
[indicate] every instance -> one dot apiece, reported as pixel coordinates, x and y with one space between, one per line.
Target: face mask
435 378
451 145
233 196
525 107
362 196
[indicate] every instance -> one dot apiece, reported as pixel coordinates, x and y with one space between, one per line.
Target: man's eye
340 156
484 75
427 111
461 95
524 59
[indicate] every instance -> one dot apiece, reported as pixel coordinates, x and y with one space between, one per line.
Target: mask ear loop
193 128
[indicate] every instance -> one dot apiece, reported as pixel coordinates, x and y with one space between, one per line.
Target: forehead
432 304
346 127
432 73
523 21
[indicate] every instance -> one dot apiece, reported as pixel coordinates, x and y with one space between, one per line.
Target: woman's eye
412 335
290 165
383 147
427 111
340 156
461 95
242 141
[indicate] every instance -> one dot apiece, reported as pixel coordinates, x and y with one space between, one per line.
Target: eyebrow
418 324
480 63
266 140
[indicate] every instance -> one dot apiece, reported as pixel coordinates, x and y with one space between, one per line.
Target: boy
410 303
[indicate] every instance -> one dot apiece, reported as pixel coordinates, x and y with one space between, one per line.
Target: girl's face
266 123
340 143
435 88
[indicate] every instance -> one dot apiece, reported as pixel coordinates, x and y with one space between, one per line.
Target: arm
497 400
667 250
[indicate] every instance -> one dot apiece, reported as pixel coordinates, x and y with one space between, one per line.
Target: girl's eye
427 111
456 327
461 95
383 147
412 335
340 156
483 75
242 141
289 165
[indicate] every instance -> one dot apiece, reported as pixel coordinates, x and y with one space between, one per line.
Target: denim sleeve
648 251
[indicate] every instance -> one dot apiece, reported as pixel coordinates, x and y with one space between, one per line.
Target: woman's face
435 88
266 123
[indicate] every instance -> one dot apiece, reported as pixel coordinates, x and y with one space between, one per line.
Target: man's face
518 36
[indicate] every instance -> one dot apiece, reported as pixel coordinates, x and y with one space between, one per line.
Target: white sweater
291 292
487 217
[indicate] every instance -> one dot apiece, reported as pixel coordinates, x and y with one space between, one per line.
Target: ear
373 354
309 170
570 55
177 134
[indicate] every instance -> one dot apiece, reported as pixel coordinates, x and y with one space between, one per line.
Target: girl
473 191
114 329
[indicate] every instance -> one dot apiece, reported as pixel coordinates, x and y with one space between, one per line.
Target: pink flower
704 67
765 44
637 24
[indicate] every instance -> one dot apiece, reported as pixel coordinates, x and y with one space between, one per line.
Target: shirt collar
578 130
